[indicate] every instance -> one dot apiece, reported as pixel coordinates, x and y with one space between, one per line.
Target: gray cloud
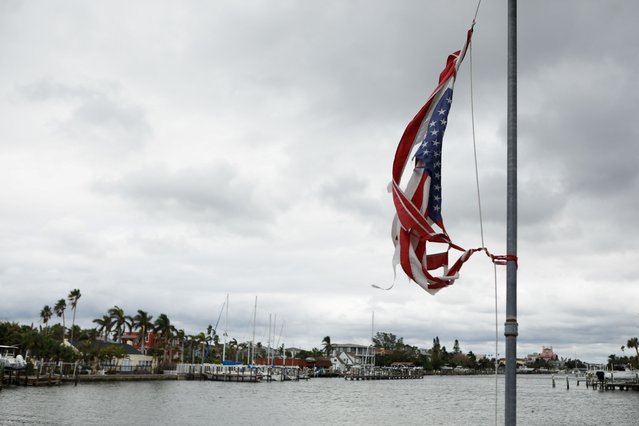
216 195
96 118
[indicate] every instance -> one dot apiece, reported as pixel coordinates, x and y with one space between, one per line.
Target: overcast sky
160 155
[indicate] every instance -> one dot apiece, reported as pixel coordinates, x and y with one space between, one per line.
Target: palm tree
241 350
634 343
105 323
73 297
45 315
612 360
232 348
119 321
165 329
59 309
181 336
142 322
200 340
328 348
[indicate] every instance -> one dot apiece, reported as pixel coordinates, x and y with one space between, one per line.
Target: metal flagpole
510 327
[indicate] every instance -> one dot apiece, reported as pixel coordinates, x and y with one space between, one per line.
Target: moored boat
9 360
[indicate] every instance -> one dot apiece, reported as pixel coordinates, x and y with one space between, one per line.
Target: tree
456 349
436 355
73 297
181 337
59 309
119 321
105 324
612 360
328 347
142 322
388 341
45 316
165 329
634 343
232 349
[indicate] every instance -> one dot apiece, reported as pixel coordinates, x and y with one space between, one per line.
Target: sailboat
232 371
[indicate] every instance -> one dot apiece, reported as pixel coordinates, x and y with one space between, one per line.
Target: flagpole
511 326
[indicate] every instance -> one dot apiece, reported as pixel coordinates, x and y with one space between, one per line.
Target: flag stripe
418 219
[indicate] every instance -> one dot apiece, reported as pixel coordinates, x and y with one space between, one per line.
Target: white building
345 356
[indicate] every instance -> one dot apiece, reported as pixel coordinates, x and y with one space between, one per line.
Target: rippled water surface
432 401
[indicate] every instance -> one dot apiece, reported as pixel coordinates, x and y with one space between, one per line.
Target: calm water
431 401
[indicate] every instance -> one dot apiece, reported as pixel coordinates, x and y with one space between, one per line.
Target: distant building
547 354
345 356
151 340
132 361
292 352
133 338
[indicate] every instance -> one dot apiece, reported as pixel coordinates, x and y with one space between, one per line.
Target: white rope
472 118
481 220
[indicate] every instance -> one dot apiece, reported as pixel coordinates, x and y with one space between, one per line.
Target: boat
233 373
618 374
624 374
9 360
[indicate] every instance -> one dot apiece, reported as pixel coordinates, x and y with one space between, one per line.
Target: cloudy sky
161 155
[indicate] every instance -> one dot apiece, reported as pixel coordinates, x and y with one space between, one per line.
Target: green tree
119 321
73 297
142 322
180 335
45 316
634 343
436 354
105 325
612 360
166 330
59 309
388 341
328 347
232 349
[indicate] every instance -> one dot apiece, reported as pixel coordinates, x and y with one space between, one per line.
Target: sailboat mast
268 345
253 339
226 328
372 360
511 326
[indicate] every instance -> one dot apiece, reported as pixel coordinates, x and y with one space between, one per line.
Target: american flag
418 223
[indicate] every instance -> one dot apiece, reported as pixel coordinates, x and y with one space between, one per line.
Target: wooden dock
379 373
609 385
235 376
218 373
603 383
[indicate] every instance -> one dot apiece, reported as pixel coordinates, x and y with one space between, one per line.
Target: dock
612 380
611 385
218 373
383 373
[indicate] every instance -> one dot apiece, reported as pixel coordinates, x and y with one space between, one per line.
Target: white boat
233 373
9 360
624 375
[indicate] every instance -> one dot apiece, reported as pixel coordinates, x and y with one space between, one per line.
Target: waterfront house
125 358
345 356
132 338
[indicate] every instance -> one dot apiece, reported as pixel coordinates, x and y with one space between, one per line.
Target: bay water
434 400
